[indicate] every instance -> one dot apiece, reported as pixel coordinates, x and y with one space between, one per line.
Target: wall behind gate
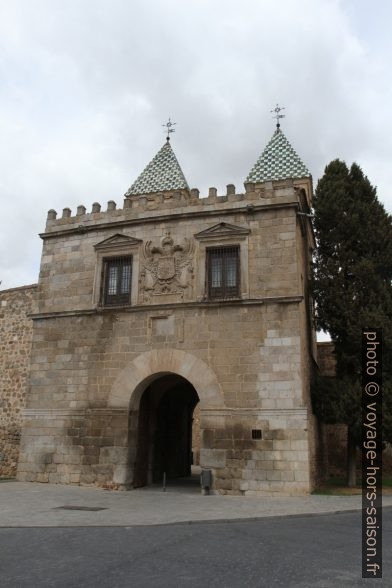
15 347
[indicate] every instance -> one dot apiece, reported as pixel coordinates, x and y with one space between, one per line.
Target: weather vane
278 116
169 126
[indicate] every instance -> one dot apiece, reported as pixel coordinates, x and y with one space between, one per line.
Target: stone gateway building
172 302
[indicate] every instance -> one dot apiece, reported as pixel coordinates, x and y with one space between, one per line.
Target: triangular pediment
222 230
117 241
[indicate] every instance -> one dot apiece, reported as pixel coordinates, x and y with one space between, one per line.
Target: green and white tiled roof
161 174
278 161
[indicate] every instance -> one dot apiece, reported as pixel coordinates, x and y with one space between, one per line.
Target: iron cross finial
278 116
169 130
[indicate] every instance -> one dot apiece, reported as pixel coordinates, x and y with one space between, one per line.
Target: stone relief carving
167 270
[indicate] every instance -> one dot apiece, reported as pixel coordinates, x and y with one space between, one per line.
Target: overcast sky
86 84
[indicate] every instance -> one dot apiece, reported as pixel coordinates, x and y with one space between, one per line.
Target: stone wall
334 437
326 358
15 347
84 368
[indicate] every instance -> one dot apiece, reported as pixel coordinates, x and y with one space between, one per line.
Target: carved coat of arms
166 269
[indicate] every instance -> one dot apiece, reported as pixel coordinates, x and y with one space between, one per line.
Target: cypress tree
352 289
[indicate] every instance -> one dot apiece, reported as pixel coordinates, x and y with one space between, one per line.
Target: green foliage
352 289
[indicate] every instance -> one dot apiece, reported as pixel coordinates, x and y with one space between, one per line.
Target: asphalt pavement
322 551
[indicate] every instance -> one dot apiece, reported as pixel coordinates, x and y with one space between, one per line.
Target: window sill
113 306
223 299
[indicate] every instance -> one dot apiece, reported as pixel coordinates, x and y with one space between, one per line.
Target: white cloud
85 86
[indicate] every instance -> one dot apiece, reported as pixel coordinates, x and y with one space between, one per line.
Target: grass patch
336 486
323 491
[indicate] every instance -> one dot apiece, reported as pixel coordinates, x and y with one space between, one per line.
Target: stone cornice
58 413
174 306
248 208
38 413
61 313
267 413
222 411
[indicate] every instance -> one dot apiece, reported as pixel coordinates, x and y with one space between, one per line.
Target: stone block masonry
99 374
15 346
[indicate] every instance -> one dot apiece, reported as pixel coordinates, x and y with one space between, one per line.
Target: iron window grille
223 272
117 275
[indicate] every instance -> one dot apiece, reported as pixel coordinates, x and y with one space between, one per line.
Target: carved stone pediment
117 241
167 271
222 231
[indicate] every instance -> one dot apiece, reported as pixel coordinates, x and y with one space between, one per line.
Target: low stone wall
335 436
15 348
326 358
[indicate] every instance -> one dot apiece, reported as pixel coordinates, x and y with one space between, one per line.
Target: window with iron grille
223 272
117 281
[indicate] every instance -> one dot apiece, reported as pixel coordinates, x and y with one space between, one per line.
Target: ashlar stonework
15 346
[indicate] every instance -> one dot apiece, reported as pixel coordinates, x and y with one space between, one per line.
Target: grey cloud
85 87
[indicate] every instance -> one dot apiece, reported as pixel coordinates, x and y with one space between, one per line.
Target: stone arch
146 367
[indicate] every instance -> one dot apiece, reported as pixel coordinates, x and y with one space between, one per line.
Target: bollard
206 481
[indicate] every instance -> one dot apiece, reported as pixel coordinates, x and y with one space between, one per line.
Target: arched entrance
164 369
164 432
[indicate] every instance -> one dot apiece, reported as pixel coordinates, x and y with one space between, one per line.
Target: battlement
176 201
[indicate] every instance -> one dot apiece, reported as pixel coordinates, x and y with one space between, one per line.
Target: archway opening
165 441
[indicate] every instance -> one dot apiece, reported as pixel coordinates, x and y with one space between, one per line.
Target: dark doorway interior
165 430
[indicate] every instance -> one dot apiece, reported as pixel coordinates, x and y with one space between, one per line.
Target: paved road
318 552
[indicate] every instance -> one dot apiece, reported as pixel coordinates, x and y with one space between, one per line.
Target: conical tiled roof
278 161
162 173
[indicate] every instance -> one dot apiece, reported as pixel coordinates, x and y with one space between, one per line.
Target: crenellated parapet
178 202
